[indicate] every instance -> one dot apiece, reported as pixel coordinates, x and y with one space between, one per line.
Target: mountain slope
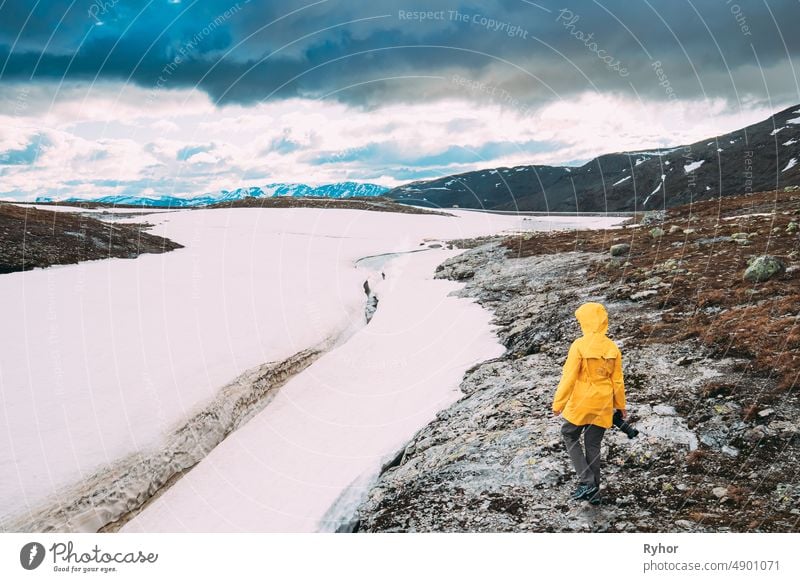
760 157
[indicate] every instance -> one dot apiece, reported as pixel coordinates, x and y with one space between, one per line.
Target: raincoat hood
593 318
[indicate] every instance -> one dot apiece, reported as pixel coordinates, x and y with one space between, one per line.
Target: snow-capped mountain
337 190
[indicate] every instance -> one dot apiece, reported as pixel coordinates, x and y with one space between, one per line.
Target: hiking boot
579 492
593 496
583 490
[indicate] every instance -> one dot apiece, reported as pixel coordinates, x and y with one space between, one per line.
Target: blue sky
184 97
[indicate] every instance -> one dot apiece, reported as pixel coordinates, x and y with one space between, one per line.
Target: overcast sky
191 96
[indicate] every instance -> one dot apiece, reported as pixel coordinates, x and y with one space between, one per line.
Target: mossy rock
619 249
762 268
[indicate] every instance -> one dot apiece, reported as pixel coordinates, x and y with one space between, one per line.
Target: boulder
643 294
619 249
712 240
653 216
763 267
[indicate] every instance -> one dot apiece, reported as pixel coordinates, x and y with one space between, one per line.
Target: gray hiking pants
587 464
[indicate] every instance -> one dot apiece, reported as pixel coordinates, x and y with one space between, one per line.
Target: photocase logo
31 555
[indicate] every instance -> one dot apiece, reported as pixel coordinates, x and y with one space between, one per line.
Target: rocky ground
708 361
31 238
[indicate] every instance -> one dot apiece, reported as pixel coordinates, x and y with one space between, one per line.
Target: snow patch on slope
693 166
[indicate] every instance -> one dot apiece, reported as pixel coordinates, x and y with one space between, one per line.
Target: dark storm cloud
367 53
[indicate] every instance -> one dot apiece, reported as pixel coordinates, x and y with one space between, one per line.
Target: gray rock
664 410
762 268
657 232
642 294
712 240
720 492
653 217
756 433
785 428
671 429
619 249
715 432
668 265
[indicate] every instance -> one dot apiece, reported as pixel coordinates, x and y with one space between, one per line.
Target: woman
591 388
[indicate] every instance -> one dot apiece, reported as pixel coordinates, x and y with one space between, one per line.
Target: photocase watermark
510 30
568 19
66 559
739 16
476 18
188 47
100 8
54 339
31 555
493 91
691 178
421 15
748 171
21 102
663 80
380 364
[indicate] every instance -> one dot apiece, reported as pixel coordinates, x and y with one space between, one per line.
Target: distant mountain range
338 190
761 157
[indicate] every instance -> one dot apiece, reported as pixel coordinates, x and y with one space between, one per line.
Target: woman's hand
623 413
556 412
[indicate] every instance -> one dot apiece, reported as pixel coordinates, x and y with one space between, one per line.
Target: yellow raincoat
591 384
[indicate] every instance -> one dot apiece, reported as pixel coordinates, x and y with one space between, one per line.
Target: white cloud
203 158
164 126
141 135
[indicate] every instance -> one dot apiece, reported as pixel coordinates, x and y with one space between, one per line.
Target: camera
620 423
